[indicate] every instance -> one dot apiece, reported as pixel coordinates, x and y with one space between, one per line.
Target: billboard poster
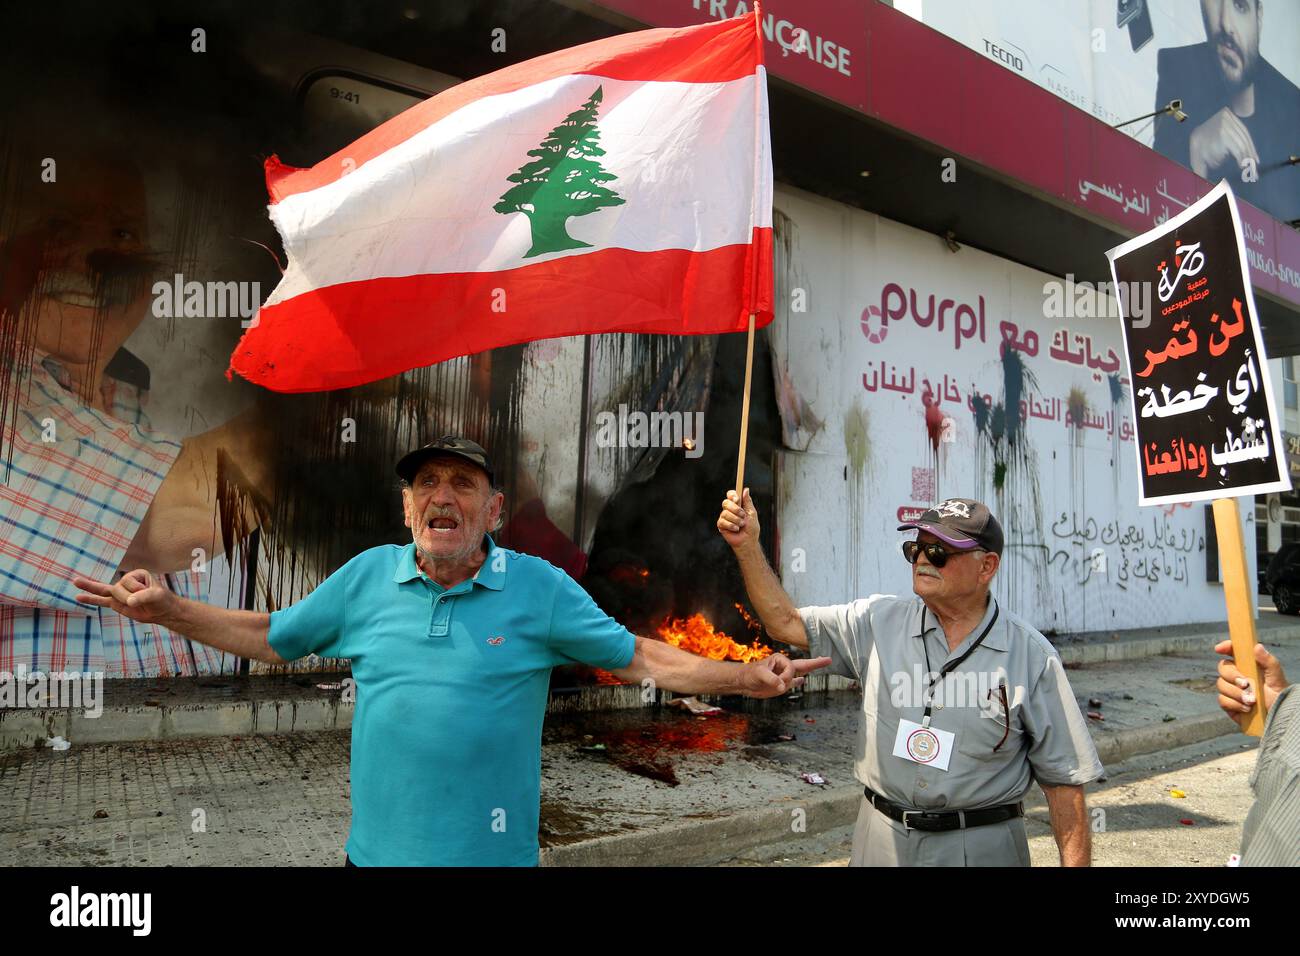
129 268
1233 66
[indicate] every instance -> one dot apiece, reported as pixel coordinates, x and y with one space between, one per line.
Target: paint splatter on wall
857 447
800 423
913 327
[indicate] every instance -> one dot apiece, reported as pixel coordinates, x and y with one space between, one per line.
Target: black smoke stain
22 260
332 498
667 523
651 373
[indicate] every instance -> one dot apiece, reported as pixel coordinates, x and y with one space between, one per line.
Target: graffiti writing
1125 554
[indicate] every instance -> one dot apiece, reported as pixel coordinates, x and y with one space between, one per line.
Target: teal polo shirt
451 691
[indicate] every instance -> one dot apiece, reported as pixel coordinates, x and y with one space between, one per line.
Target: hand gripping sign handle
1236 594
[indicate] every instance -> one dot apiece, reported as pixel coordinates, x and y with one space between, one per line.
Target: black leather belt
936 820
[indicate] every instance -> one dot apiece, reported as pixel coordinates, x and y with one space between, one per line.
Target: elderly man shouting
963 703
452 640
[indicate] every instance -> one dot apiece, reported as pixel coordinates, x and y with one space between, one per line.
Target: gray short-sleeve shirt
878 642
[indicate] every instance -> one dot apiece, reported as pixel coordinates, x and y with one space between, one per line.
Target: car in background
1282 579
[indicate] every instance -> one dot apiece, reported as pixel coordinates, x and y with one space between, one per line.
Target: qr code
923 484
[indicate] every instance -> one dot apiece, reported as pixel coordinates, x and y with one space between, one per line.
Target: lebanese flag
620 186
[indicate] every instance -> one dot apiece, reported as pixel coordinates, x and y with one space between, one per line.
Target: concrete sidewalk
1135 816
649 785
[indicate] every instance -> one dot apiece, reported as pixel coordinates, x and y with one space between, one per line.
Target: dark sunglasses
936 554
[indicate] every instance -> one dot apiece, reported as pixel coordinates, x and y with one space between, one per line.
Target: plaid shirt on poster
72 506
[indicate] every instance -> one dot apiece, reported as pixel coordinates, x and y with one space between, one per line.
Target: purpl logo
874 336
966 320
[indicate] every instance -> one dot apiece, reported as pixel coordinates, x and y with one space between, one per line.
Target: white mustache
64 281
928 572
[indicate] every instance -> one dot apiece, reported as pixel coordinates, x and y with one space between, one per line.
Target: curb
1102 652
22 729
697 843
1119 745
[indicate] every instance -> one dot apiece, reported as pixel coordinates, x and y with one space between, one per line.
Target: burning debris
697 635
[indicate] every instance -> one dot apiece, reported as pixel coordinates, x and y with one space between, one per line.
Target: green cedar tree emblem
564 179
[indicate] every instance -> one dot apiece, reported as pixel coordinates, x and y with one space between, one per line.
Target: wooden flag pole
1241 619
749 348
744 414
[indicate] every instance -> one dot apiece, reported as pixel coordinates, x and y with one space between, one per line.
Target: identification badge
927 745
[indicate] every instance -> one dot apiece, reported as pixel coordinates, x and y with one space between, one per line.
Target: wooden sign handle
1237 596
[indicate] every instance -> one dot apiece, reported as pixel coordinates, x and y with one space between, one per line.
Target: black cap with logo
447 445
962 523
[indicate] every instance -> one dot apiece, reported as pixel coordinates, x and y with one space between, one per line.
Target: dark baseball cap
963 523
472 452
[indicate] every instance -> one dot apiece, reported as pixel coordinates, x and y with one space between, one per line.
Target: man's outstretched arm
142 598
739 528
672 668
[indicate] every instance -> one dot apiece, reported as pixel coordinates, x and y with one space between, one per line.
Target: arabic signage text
1202 401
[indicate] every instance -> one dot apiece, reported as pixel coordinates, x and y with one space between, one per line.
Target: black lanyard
951 666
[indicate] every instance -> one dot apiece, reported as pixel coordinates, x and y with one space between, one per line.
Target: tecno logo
928 311
1004 56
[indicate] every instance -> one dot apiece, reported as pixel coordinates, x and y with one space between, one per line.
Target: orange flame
754 625
697 635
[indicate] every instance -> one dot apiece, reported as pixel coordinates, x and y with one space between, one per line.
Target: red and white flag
620 186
